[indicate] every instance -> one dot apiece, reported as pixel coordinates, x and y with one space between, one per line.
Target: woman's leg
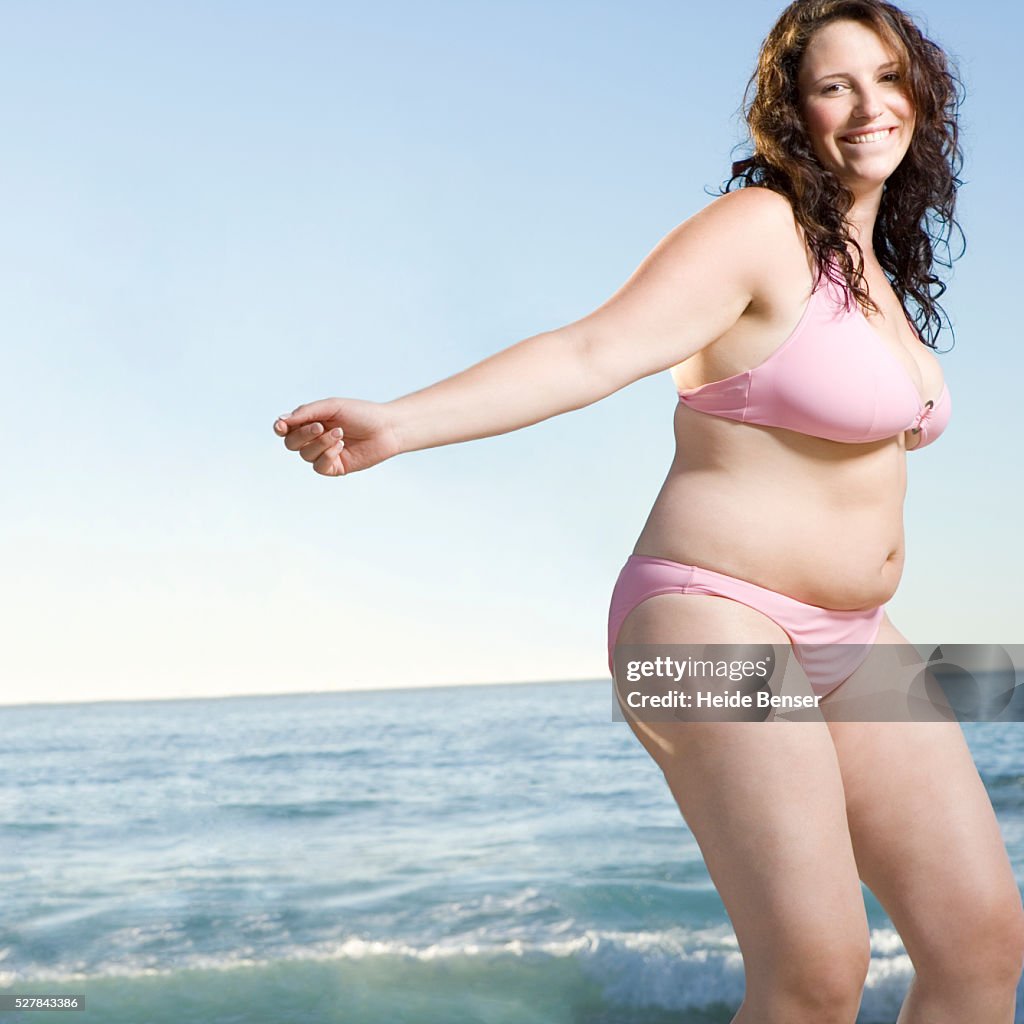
928 845
765 803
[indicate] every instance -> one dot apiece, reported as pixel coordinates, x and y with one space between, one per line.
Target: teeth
857 140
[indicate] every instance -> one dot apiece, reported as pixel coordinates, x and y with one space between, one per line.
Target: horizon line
293 693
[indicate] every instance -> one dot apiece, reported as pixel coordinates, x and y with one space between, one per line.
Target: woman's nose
869 104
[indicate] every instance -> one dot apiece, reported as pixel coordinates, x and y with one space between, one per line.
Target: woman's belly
817 520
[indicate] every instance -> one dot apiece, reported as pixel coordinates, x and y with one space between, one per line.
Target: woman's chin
866 182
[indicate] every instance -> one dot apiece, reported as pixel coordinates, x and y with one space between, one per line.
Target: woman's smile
868 137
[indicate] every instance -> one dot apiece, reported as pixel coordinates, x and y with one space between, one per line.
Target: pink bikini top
834 377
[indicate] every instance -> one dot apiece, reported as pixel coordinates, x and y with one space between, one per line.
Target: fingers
328 448
288 422
310 442
329 463
310 413
311 437
323 450
298 437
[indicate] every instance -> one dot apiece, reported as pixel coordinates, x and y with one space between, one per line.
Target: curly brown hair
918 198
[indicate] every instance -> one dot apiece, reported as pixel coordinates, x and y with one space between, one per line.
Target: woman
855 144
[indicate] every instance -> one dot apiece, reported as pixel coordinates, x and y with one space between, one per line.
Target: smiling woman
781 311
831 75
860 118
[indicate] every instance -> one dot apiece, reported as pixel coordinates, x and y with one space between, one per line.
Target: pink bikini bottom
829 645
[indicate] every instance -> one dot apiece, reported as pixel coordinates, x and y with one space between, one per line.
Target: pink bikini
834 377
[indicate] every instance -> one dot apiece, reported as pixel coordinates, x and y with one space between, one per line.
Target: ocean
464 855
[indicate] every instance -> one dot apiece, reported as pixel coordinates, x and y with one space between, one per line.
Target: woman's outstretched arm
689 291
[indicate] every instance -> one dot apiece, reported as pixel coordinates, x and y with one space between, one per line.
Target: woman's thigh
765 803
925 836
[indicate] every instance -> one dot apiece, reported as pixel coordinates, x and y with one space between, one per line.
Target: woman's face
858 113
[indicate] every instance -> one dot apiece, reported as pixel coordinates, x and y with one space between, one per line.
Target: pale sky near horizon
214 212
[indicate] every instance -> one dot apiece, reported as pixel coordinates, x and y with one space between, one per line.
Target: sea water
487 855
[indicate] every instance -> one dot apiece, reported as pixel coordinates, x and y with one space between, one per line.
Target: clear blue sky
212 212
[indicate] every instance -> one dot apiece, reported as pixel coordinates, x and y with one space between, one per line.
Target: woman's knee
984 946
819 981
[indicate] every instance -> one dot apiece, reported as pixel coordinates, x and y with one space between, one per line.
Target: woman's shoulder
758 221
763 206
767 239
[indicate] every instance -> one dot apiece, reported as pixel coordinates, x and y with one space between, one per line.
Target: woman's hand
339 435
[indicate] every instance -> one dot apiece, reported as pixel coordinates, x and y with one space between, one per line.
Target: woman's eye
835 87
